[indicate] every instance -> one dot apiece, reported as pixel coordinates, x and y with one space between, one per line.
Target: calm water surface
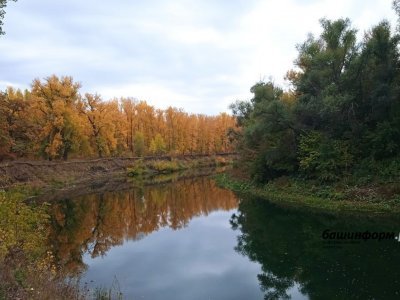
192 240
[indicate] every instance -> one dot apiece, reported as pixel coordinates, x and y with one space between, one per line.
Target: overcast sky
199 55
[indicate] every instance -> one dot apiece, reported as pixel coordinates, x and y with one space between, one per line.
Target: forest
339 119
54 121
329 142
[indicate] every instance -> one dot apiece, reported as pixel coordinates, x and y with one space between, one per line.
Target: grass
111 293
307 195
153 167
141 168
165 166
22 191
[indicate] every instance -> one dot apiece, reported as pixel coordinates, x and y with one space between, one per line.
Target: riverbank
44 174
113 183
303 195
29 268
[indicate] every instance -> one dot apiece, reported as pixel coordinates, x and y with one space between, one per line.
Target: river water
189 239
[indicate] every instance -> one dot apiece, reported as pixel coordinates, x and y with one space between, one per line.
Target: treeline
340 117
54 121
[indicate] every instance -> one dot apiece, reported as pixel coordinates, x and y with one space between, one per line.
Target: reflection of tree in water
290 249
95 223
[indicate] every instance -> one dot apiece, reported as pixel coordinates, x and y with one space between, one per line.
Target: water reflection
291 251
94 223
282 252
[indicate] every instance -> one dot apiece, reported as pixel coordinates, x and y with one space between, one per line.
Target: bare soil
62 173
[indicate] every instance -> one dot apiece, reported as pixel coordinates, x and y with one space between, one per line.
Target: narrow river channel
189 239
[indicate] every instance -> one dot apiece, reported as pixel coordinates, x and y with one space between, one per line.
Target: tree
138 142
5 139
128 107
342 112
54 121
157 145
323 158
56 99
18 130
378 106
267 141
97 113
321 83
396 7
3 4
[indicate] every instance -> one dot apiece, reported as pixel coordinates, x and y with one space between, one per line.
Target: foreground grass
306 195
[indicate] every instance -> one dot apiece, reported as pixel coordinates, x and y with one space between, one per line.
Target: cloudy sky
199 55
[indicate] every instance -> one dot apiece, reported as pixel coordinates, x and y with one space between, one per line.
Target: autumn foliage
54 121
80 225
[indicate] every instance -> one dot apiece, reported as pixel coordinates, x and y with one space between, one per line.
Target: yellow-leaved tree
157 145
55 101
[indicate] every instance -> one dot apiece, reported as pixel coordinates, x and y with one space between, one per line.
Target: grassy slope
305 195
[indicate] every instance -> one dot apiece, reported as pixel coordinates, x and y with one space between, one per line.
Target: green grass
153 167
22 191
306 195
141 168
166 166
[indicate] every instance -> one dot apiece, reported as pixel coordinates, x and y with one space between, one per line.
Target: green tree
323 101
138 143
323 158
378 106
157 145
3 4
267 138
344 109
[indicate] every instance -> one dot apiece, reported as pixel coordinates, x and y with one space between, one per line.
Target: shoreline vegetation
337 199
28 270
331 141
39 175
170 165
24 222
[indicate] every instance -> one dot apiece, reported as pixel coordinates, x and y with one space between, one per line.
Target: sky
199 55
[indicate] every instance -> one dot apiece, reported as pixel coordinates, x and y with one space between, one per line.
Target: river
189 239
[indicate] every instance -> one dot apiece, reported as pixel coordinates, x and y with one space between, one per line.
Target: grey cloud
200 50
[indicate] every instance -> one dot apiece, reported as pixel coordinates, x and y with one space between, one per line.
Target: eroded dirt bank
44 173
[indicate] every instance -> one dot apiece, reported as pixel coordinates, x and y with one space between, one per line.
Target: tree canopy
342 112
3 4
54 121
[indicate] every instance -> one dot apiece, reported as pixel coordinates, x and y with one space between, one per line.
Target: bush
137 169
323 158
163 166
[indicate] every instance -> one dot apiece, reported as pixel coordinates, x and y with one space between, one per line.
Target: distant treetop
3 4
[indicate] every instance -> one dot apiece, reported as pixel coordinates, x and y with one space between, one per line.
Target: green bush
137 169
323 158
163 166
